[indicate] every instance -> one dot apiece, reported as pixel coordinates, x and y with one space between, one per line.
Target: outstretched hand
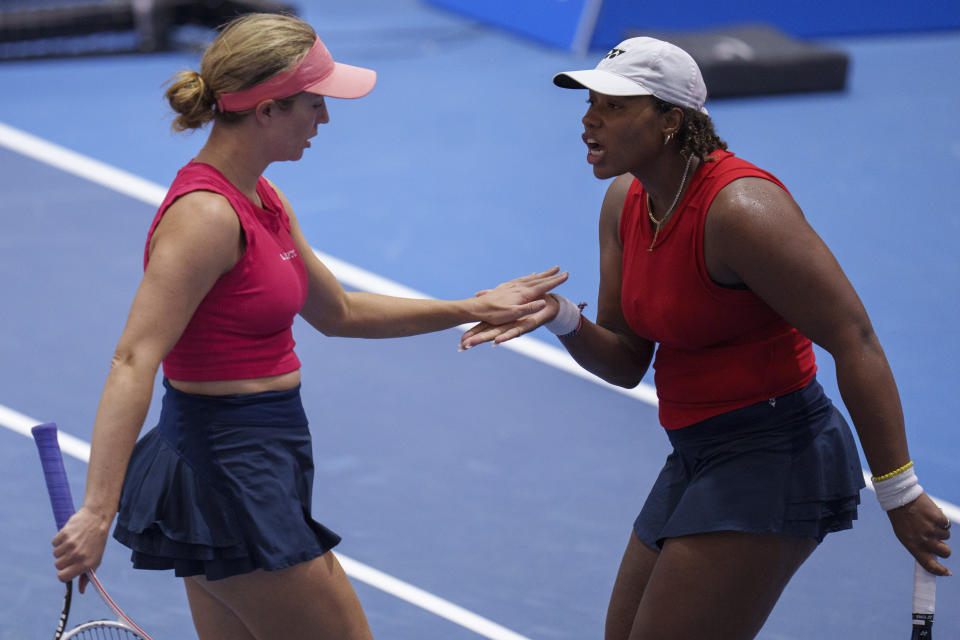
923 528
517 298
500 333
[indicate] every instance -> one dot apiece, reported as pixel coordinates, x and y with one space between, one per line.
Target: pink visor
316 73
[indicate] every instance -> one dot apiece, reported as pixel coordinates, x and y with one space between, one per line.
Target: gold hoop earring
666 140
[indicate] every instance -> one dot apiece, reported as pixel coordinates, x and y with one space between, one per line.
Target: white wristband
898 490
567 319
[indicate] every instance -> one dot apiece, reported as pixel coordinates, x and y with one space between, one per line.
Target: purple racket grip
45 435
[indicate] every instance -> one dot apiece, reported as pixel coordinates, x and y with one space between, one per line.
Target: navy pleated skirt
222 486
787 466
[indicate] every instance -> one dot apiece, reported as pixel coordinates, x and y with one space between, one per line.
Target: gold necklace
676 199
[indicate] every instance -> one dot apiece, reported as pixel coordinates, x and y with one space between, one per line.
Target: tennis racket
924 599
45 435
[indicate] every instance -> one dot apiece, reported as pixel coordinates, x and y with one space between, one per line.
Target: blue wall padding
555 22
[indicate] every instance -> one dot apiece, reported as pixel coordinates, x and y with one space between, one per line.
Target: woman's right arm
608 348
197 240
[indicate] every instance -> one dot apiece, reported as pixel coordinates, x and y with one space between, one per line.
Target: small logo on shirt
288 255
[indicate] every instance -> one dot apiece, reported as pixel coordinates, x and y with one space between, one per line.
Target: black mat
48 28
758 59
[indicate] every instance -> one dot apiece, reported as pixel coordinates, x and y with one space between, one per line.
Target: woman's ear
672 120
264 111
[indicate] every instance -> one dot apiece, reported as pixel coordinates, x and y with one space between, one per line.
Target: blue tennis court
488 493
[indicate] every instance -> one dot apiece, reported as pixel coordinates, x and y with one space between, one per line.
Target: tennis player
220 490
708 265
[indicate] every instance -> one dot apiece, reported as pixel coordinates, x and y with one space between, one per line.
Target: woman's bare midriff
281 382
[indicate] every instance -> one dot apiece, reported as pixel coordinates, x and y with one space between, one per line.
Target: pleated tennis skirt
788 466
222 486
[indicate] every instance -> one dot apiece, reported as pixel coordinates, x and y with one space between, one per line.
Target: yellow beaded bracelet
895 472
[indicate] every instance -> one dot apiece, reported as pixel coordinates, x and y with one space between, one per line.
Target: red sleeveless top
719 348
242 328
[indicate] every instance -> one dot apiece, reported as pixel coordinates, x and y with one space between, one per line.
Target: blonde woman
220 490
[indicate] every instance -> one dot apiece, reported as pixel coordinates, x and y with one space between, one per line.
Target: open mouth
595 150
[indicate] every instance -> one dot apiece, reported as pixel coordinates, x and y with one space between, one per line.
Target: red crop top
719 349
242 328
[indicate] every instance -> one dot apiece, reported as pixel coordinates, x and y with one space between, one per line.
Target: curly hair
248 50
696 134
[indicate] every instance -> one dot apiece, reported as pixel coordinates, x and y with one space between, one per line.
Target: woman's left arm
756 235
358 314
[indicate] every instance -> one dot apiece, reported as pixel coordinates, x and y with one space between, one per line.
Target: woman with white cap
708 265
220 490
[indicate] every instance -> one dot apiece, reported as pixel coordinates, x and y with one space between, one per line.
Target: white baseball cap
643 67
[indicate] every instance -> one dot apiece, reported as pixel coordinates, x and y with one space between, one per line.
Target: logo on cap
614 53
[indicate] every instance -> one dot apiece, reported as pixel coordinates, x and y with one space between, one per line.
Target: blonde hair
248 50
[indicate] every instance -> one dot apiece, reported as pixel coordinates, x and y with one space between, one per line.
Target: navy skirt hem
787 466
222 486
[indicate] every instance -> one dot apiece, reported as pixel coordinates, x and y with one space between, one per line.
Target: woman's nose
589 119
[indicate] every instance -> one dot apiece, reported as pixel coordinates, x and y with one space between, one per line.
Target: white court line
351 275
80 165
76 448
16 421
